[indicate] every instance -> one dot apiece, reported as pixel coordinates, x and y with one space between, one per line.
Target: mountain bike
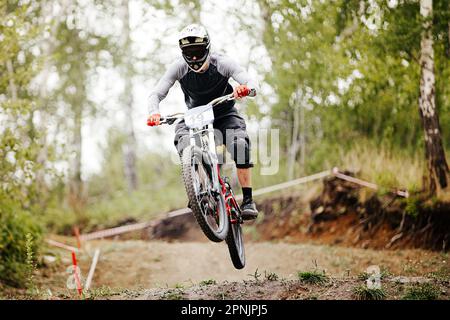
210 195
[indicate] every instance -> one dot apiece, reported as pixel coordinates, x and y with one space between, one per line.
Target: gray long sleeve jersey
201 88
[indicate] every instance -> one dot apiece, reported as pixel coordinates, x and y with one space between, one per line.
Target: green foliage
256 275
412 206
101 292
208 282
15 263
173 294
424 291
364 293
355 76
21 171
270 276
31 264
313 277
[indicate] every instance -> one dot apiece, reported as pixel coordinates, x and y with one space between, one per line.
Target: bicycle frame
208 146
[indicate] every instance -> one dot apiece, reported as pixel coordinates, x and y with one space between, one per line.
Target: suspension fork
210 148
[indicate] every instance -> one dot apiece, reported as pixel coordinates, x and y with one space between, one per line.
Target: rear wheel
207 207
235 240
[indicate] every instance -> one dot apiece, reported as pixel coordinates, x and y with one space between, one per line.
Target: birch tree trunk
294 147
302 136
129 149
296 136
78 106
76 186
437 174
48 47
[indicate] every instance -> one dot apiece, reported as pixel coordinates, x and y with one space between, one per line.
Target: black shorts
230 130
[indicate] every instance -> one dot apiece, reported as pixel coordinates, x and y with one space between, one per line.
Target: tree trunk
437 174
77 195
302 136
42 101
448 36
129 149
76 185
294 141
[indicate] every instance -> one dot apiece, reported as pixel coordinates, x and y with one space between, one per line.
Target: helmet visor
195 52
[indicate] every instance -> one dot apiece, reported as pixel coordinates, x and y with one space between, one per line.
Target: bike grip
151 123
252 93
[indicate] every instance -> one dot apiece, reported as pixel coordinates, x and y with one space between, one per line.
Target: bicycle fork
209 147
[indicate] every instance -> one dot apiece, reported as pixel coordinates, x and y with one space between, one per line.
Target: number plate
199 117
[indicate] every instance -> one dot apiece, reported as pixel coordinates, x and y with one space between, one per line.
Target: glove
153 120
241 91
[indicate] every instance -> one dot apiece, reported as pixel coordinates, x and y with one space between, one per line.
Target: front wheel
235 239
208 207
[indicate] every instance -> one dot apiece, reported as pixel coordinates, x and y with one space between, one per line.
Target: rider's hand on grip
154 120
241 91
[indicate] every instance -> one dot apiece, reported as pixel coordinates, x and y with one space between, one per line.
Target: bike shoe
249 211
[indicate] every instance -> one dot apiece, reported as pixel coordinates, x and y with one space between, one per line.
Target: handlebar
170 119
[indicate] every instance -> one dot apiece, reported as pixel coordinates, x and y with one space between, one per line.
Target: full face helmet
194 44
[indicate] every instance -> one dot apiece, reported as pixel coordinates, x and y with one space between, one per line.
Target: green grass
424 291
313 277
443 273
173 294
270 276
412 206
208 282
179 286
255 275
364 293
31 266
101 292
386 167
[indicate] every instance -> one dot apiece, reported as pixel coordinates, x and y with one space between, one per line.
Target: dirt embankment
342 214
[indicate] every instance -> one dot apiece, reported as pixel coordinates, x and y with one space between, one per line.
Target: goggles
195 52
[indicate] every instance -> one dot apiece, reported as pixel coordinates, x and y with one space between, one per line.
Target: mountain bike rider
203 76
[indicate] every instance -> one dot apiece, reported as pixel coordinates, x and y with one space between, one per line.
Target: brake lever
171 121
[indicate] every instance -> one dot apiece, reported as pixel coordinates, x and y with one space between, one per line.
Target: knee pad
181 142
239 148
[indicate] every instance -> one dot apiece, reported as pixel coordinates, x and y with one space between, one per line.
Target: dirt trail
152 264
136 266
